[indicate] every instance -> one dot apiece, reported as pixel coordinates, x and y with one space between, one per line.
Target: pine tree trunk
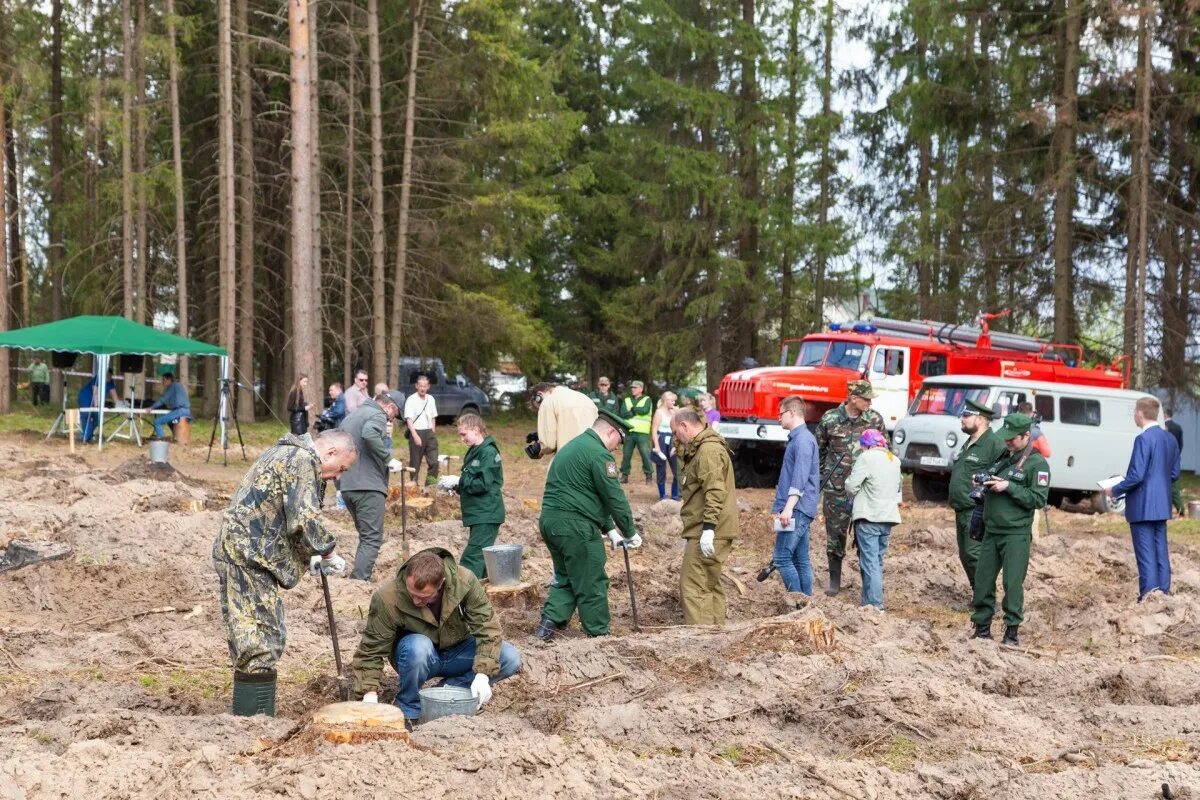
141 263
787 199
226 188
750 312
316 378
924 256
1176 236
16 237
181 271
305 318
127 135
824 175
5 381
54 253
378 298
1065 123
348 263
989 239
245 306
392 374
1146 77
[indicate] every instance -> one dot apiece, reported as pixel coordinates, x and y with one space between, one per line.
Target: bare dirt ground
104 693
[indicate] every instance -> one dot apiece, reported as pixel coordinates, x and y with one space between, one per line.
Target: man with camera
1014 488
563 414
982 448
364 487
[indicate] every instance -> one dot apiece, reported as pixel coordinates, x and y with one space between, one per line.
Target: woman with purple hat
875 484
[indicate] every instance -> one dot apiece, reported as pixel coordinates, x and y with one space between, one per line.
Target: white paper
1109 483
788 528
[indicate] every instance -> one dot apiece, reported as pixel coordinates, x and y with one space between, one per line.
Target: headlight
898 437
951 439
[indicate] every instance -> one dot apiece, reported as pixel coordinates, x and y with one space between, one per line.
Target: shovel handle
632 598
337 651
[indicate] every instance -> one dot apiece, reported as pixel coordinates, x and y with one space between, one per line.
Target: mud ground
114 677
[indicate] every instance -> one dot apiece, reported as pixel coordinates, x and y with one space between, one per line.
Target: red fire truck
896 356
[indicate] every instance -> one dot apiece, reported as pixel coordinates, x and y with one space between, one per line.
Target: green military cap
862 389
978 408
638 384
1014 426
612 419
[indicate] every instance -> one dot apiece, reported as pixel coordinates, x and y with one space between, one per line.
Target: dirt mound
141 468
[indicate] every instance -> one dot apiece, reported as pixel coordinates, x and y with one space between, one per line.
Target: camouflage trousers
837 509
253 614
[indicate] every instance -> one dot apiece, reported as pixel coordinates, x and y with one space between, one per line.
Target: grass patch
732 753
202 684
40 736
900 754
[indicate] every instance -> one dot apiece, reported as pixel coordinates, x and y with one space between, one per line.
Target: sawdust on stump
522 596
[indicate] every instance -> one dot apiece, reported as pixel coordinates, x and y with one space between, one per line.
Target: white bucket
158 451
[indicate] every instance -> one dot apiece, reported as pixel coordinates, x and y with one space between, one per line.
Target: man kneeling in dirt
432 621
270 533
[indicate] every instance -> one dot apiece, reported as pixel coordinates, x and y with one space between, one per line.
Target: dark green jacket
465 612
480 483
707 488
977 456
607 402
1012 510
583 482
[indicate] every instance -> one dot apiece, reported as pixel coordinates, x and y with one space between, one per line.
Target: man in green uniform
710 518
272 532
982 449
582 499
604 398
638 409
837 437
1020 486
39 381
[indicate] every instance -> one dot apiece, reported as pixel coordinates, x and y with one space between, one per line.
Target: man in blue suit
1153 466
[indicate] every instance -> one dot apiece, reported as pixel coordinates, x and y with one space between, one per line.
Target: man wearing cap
364 487
982 449
1019 486
837 437
639 411
582 501
562 414
604 398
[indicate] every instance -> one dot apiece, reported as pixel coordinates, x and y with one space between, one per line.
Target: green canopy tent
104 337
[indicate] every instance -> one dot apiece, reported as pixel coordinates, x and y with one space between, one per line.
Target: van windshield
823 352
946 400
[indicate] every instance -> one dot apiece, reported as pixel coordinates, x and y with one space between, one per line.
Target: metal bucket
447 701
1193 509
503 562
158 451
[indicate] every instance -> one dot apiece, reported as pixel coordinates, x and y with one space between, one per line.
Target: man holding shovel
272 532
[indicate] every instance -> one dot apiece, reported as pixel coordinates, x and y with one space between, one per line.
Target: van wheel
469 409
753 470
1107 505
928 489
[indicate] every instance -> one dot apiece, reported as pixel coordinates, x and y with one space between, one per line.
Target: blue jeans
163 420
872 538
665 442
791 555
1153 558
416 660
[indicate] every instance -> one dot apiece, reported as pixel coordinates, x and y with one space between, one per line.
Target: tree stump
519 596
356 723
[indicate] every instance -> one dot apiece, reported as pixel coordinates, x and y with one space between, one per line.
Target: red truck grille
737 398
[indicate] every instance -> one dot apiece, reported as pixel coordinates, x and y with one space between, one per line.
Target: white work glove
616 538
448 483
333 564
394 465
481 687
370 697
708 547
634 542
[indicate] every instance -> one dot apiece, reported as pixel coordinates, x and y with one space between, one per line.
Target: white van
1090 431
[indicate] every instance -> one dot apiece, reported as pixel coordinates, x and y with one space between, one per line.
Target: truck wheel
751 472
1107 505
505 401
928 489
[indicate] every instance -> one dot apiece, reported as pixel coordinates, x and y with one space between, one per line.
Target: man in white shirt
420 415
357 394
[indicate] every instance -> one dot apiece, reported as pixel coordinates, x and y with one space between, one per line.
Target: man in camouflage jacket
271 533
837 437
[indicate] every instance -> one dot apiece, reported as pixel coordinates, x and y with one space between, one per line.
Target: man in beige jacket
563 414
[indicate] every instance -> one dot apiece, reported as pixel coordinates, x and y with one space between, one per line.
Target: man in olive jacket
479 491
433 620
364 487
710 518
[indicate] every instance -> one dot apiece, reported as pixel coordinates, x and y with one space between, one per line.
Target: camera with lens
324 423
978 490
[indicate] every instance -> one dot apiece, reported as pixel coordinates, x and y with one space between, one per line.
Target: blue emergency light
864 327
835 326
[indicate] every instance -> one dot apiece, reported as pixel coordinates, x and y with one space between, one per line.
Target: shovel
337 651
629 580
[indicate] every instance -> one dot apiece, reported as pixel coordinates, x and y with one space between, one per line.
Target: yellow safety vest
642 413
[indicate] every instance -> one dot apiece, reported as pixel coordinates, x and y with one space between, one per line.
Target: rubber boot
982 632
546 629
624 479
835 576
649 480
1010 636
662 490
253 693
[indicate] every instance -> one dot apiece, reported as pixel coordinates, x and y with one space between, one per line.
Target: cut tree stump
519 596
356 723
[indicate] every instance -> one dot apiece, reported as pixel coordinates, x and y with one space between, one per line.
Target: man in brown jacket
709 515
433 620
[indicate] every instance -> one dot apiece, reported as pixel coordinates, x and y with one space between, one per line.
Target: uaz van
1090 431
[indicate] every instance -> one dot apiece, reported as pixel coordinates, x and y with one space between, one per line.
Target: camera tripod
222 420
